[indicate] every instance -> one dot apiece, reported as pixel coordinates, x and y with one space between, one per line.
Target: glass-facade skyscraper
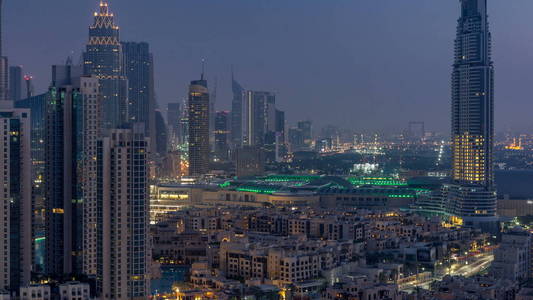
139 69
103 58
236 112
72 127
472 197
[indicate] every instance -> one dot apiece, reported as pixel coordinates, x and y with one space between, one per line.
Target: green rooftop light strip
257 190
400 196
291 178
381 181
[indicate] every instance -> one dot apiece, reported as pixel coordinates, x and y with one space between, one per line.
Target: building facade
15 197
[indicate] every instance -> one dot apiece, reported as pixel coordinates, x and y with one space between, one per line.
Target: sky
368 65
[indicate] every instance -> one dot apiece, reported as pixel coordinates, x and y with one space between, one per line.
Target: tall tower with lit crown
472 197
103 59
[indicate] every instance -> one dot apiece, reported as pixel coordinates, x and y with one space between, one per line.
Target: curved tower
472 197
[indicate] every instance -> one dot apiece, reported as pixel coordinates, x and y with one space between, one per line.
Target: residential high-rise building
472 197
15 197
236 112
103 58
37 108
123 215
139 69
15 83
198 109
72 128
222 135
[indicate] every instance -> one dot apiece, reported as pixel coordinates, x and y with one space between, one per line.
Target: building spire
203 69
104 7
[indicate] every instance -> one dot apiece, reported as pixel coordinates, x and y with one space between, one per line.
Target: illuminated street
476 265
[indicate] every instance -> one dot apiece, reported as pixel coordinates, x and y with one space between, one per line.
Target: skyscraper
198 127
139 69
15 197
161 135
15 83
472 197
72 128
222 135
173 117
123 206
103 59
37 108
4 93
236 112
259 117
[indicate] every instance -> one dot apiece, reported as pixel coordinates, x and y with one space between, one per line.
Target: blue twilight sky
361 64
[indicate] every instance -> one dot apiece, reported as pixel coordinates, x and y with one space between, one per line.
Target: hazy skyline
360 64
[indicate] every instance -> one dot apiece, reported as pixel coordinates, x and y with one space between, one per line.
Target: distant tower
222 135
4 93
259 117
124 252
139 69
15 83
473 197
198 127
29 86
173 116
103 59
236 112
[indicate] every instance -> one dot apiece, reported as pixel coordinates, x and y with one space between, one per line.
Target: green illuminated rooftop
382 181
290 178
